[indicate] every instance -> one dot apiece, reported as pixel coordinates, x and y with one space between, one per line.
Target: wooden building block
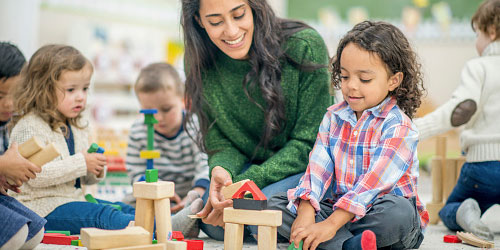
149 154
94 238
160 246
228 191
471 239
144 215
48 153
460 163
267 238
176 245
437 182
433 209
151 175
449 177
251 187
163 219
441 147
233 236
252 217
30 147
154 190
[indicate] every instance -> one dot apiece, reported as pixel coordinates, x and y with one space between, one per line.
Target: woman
259 87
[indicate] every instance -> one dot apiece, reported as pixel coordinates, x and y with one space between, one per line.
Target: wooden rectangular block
145 214
228 191
433 209
159 246
154 190
267 238
163 219
94 238
30 147
176 245
437 179
449 177
233 236
252 217
48 153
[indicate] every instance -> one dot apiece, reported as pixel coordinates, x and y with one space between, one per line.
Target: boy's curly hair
389 43
487 17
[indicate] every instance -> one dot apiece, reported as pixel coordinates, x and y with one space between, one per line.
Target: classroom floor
433 236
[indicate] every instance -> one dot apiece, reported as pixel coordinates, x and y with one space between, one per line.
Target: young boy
475 105
160 87
21 226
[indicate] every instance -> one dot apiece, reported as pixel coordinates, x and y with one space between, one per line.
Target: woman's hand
213 211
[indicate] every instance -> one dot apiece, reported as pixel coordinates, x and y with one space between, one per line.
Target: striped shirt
362 160
181 161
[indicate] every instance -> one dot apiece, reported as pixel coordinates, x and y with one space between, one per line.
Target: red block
194 244
58 239
177 235
251 187
451 239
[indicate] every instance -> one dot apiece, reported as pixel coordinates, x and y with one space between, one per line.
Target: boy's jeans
75 215
478 180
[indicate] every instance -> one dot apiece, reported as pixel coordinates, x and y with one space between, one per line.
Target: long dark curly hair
264 56
389 43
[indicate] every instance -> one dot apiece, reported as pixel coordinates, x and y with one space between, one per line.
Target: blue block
143 178
149 164
100 150
149 111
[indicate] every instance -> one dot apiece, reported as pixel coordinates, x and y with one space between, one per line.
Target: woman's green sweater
236 133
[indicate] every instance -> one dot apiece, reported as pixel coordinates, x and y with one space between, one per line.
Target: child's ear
492 33
395 80
198 20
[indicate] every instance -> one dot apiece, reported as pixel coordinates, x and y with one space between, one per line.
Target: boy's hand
95 162
313 235
305 217
16 168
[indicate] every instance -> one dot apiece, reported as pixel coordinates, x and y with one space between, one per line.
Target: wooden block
433 209
163 219
441 147
159 246
437 180
251 187
154 190
144 215
449 177
460 163
30 147
249 204
471 239
149 154
45 155
267 238
228 191
176 245
252 217
94 238
233 236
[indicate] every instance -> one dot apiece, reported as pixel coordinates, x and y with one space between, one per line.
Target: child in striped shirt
160 87
365 152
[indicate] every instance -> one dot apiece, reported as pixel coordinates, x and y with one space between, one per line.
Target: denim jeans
15 215
75 215
394 220
217 233
478 180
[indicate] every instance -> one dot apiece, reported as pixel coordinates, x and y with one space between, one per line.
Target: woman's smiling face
229 24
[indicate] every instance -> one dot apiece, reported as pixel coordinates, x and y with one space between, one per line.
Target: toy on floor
451 239
292 246
473 240
254 214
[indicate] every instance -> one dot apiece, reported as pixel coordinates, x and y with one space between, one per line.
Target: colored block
228 191
151 175
151 137
67 233
292 246
149 154
149 164
118 207
177 235
451 239
148 111
249 204
251 187
100 150
58 239
150 120
75 242
194 244
93 148
90 198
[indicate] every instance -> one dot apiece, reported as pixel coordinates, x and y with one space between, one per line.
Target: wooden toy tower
153 196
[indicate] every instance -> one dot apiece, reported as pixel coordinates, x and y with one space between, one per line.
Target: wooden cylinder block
30 147
449 177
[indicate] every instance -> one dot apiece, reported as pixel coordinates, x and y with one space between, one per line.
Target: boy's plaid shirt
365 159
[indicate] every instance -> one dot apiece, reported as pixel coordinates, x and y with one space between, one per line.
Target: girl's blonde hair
37 91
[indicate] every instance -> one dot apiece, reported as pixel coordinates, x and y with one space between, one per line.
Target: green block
155 242
93 148
67 233
151 137
292 246
118 207
90 198
74 242
149 119
152 175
